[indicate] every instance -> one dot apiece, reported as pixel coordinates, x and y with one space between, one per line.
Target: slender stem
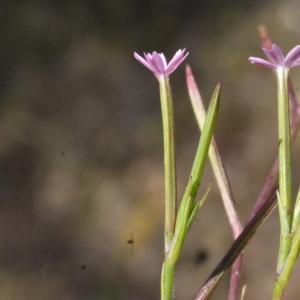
168 270
171 258
169 159
271 181
235 277
167 280
285 209
283 278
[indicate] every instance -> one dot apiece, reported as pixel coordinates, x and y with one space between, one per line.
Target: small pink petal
296 63
163 58
177 60
176 56
143 61
261 62
292 57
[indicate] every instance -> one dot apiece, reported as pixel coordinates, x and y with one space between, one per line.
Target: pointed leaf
202 150
196 208
216 161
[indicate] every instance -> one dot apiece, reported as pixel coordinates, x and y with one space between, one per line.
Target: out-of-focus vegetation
81 146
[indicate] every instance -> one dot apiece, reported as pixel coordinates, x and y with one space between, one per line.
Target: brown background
81 143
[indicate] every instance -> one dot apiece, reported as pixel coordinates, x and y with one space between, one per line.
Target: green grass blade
202 152
196 208
214 156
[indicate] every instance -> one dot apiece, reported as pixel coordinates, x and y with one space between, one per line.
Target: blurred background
81 164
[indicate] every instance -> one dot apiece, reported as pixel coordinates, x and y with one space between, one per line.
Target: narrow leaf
187 203
196 208
202 151
214 155
180 233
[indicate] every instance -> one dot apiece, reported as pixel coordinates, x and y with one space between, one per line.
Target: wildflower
157 63
276 59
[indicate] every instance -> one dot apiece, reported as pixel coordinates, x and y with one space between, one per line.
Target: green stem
169 159
284 166
167 280
289 265
171 258
284 276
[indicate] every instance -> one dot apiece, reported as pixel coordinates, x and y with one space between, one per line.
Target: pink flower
276 58
157 63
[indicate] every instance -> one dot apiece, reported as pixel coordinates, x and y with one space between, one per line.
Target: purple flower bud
157 63
276 58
